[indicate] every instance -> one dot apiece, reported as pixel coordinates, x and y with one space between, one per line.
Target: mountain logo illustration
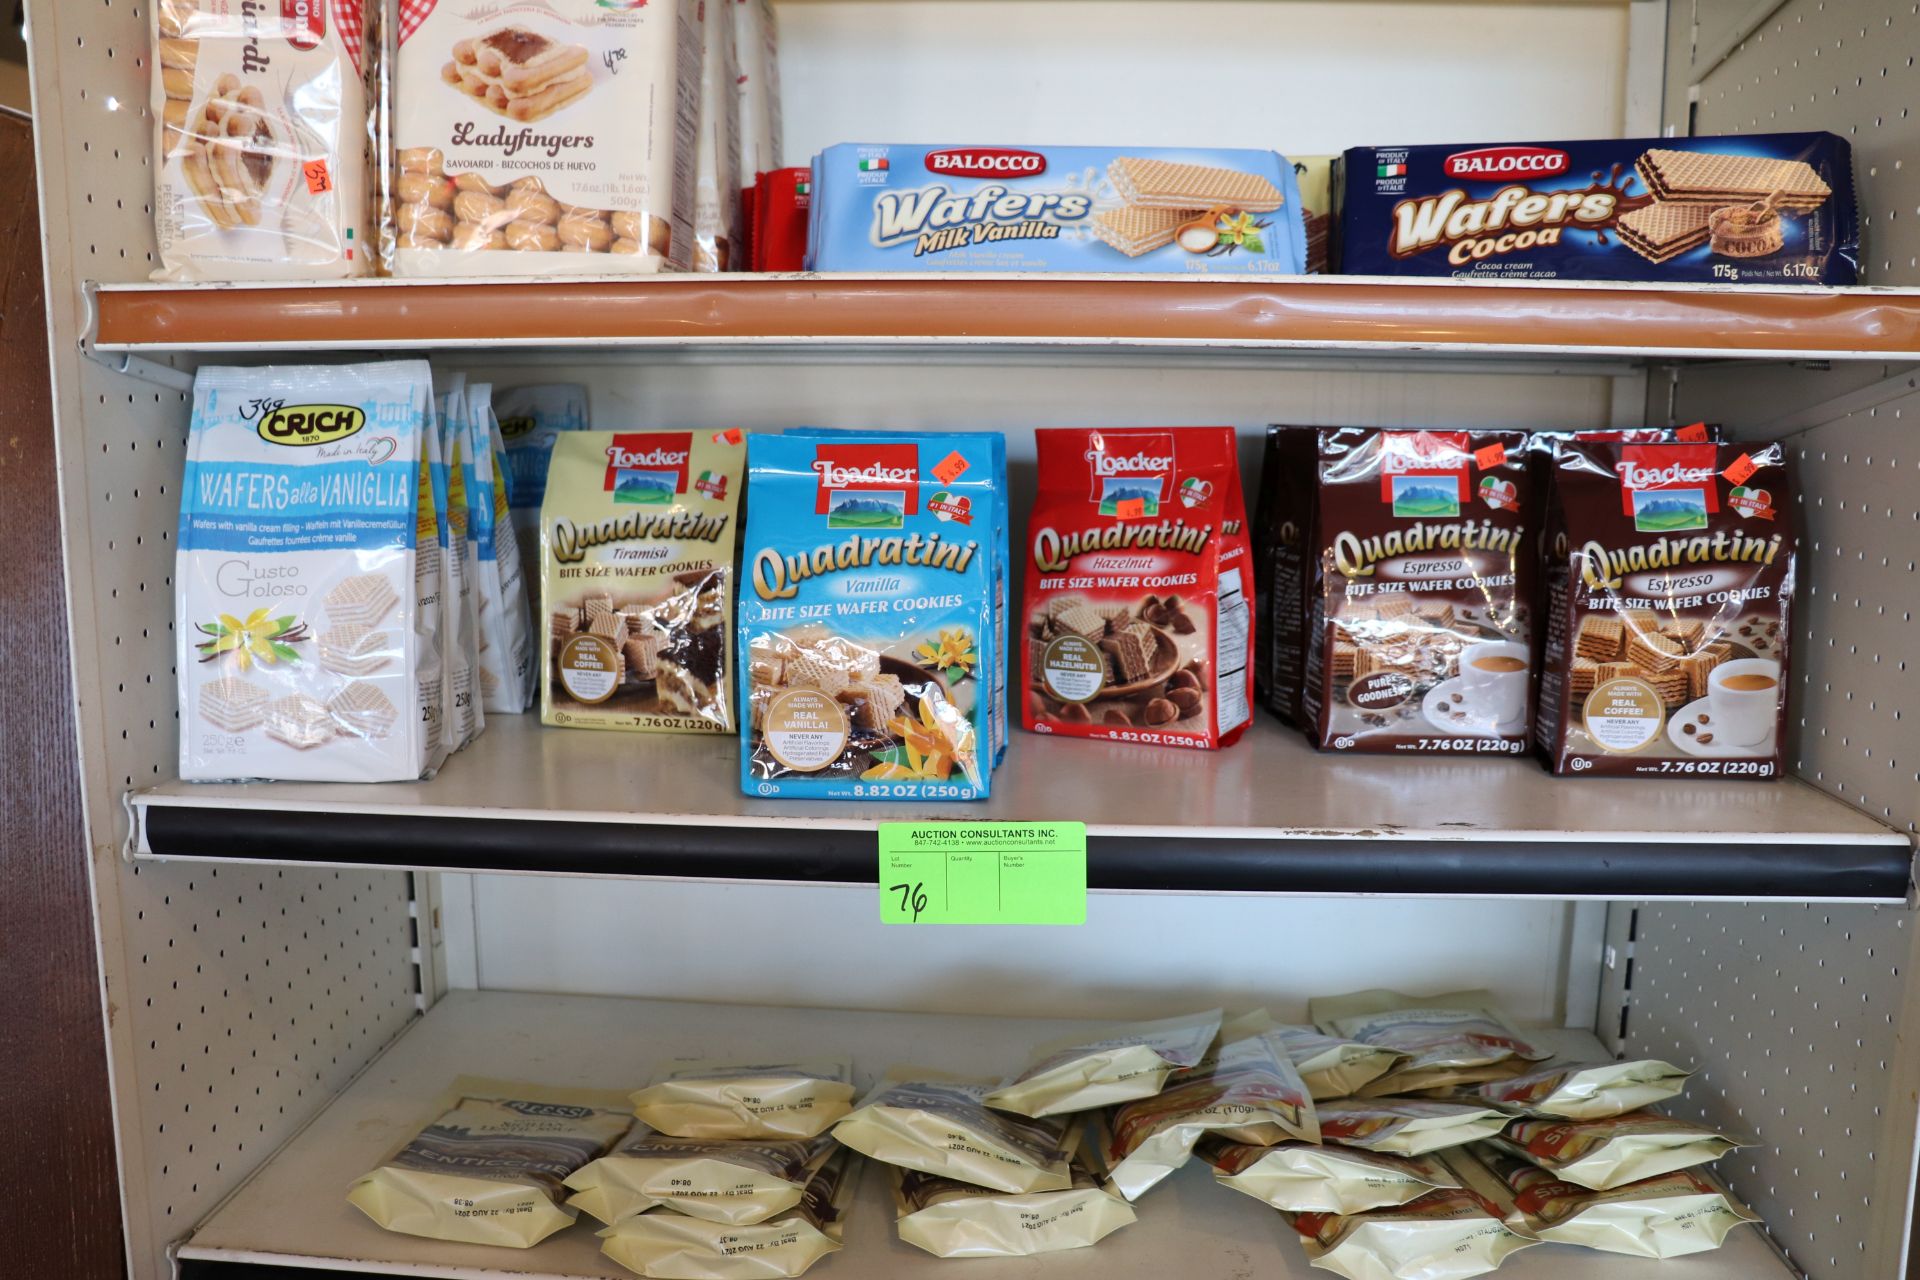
633 485
1425 497
1118 492
1669 510
866 509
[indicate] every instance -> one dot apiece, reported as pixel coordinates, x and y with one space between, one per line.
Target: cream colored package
1302 1177
1582 1090
670 1246
698 1098
756 39
734 1183
261 134
1459 1037
1099 1068
459 619
1449 1234
488 1170
1603 1154
1334 1068
936 1123
1245 1089
716 205
545 140
1406 1126
952 1219
1665 1217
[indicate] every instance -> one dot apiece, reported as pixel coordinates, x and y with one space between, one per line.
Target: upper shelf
1268 815
1353 314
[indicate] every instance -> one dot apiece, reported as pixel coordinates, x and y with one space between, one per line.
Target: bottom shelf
292 1214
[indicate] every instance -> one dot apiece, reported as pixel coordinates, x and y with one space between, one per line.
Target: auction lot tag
983 873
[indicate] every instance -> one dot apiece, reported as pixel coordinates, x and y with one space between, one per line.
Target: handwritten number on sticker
913 898
319 181
1493 455
1692 433
1739 469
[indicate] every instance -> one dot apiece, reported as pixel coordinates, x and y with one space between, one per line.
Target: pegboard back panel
1793 1016
1845 66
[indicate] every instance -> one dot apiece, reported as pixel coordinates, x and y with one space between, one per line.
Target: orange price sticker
732 435
1494 455
951 468
1739 469
1130 509
319 181
1692 433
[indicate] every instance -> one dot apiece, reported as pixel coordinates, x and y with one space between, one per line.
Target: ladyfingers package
308 576
1584 1090
868 638
1419 633
736 1183
670 1246
1334 1068
1669 589
1085 1070
548 140
637 538
952 1219
1303 1177
489 1169
1458 1037
1139 620
261 134
1191 210
729 1100
1666 1217
1603 1154
1406 1126
939 1124
756 42
717 231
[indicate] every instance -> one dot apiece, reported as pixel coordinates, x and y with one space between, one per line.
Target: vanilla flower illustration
260 638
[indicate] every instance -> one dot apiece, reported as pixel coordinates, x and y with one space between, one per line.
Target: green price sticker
983 873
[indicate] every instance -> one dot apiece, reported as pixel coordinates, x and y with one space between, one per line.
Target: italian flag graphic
873 164
1391 170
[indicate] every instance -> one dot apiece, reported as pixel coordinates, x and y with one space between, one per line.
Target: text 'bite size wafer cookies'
546 140
1756 208
260 139
987 208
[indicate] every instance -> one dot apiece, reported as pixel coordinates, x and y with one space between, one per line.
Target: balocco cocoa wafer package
1304 1177
1603 1154
1084 1070
1418 639
543 140
636 584
1669 589
1139 619
1665 1217
1458 1037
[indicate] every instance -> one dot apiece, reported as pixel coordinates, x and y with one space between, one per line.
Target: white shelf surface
293 1210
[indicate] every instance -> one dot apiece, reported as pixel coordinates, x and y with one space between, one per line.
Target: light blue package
1169 210
998 715
868 634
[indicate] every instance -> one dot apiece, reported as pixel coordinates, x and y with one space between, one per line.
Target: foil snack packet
1582 1090
1406 1126
1669 1216
1334 1068
489 1169
939 1124
737 1183
695 1098
1447 1234
1305 1177
1457 1037
1083 1070
1603 1154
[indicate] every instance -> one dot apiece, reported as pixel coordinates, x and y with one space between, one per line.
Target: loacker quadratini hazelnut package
1418 638
1139 577
1669 586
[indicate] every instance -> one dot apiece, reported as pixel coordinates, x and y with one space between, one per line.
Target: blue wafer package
1169 210
1768 208
869 643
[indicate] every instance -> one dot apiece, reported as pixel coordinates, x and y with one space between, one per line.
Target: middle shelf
1269 815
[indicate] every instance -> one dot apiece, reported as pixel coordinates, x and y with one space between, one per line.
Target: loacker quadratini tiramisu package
1766 208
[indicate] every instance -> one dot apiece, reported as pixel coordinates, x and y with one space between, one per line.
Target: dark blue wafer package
1771 208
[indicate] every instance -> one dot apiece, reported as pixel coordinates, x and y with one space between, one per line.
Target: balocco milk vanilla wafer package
261 137
1083 1070
1455 1038
1418 636
1764 208
1306 1177
718 234
636 586
1669 591
940 1124
1138 624
308 580
544 140
665 1245
1669 1216
737 1183
488 1169
1187 211
869 642
695 1098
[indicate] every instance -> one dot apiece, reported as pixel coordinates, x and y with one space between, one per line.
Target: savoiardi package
868 644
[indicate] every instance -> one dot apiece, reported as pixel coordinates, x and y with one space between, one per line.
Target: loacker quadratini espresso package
1418 641
1139 575
1669 586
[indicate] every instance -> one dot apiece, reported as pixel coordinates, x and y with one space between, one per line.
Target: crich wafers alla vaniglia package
1170 210
868 644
